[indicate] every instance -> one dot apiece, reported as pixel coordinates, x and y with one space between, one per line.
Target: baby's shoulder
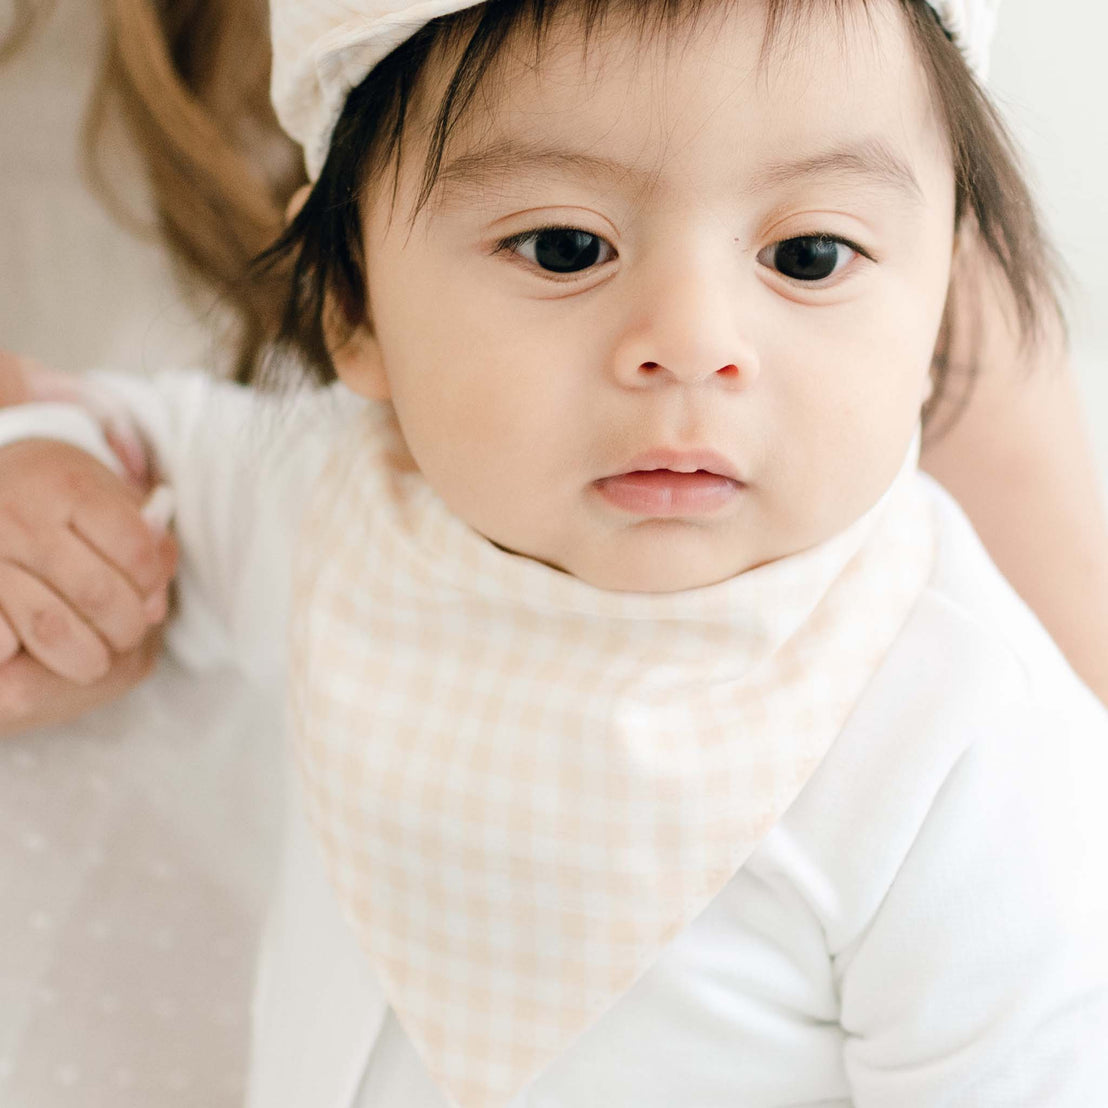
973 727
973 689
991 653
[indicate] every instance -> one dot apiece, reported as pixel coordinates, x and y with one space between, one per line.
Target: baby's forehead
642 105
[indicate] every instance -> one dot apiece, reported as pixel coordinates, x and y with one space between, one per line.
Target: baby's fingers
49 630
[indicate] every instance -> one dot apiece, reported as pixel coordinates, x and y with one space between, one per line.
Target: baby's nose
679 351
685 324
691 374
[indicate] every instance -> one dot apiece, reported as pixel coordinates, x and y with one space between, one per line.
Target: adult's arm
1020 462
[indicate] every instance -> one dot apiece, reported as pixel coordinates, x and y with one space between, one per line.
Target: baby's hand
83 580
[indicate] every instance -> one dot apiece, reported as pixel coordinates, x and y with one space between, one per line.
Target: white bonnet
324 48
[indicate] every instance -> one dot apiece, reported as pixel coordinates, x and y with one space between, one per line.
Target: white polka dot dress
133 866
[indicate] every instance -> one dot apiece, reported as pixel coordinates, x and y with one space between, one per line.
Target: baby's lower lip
664 492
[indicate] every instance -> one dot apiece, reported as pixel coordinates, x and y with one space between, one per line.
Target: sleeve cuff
61 422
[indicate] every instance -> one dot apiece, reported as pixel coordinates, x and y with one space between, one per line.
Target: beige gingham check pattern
524 787
322 49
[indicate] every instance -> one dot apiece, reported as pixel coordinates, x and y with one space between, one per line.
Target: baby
664 736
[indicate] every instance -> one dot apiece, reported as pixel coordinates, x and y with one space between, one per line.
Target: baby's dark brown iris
566 250
807 258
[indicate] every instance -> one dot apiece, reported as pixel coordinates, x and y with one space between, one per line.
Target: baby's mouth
666 492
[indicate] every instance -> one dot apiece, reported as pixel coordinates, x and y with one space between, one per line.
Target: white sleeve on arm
241 466
982 980
60 422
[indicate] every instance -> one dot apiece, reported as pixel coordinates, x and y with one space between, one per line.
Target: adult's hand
31 695
84 581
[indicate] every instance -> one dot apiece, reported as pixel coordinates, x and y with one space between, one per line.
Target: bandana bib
524 787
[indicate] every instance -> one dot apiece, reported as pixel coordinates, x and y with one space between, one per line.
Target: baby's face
745 278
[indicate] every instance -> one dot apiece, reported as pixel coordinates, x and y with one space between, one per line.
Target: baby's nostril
650 365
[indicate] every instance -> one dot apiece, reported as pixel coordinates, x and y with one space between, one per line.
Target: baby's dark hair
995 216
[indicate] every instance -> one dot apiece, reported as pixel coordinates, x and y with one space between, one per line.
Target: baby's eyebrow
870 158
513 157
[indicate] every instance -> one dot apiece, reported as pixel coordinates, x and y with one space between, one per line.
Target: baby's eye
809 257
559 249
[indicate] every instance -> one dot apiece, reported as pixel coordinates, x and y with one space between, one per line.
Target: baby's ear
354 350
355 354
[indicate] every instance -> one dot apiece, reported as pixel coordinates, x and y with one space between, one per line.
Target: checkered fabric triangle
525 787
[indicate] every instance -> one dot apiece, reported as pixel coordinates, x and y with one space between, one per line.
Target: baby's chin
658 556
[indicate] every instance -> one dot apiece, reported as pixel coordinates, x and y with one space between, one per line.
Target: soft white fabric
972 25
927 924
322 49
66 423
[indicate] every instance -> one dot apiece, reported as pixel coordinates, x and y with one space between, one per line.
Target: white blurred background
1048 75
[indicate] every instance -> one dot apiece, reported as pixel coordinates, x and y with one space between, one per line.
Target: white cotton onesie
926 924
